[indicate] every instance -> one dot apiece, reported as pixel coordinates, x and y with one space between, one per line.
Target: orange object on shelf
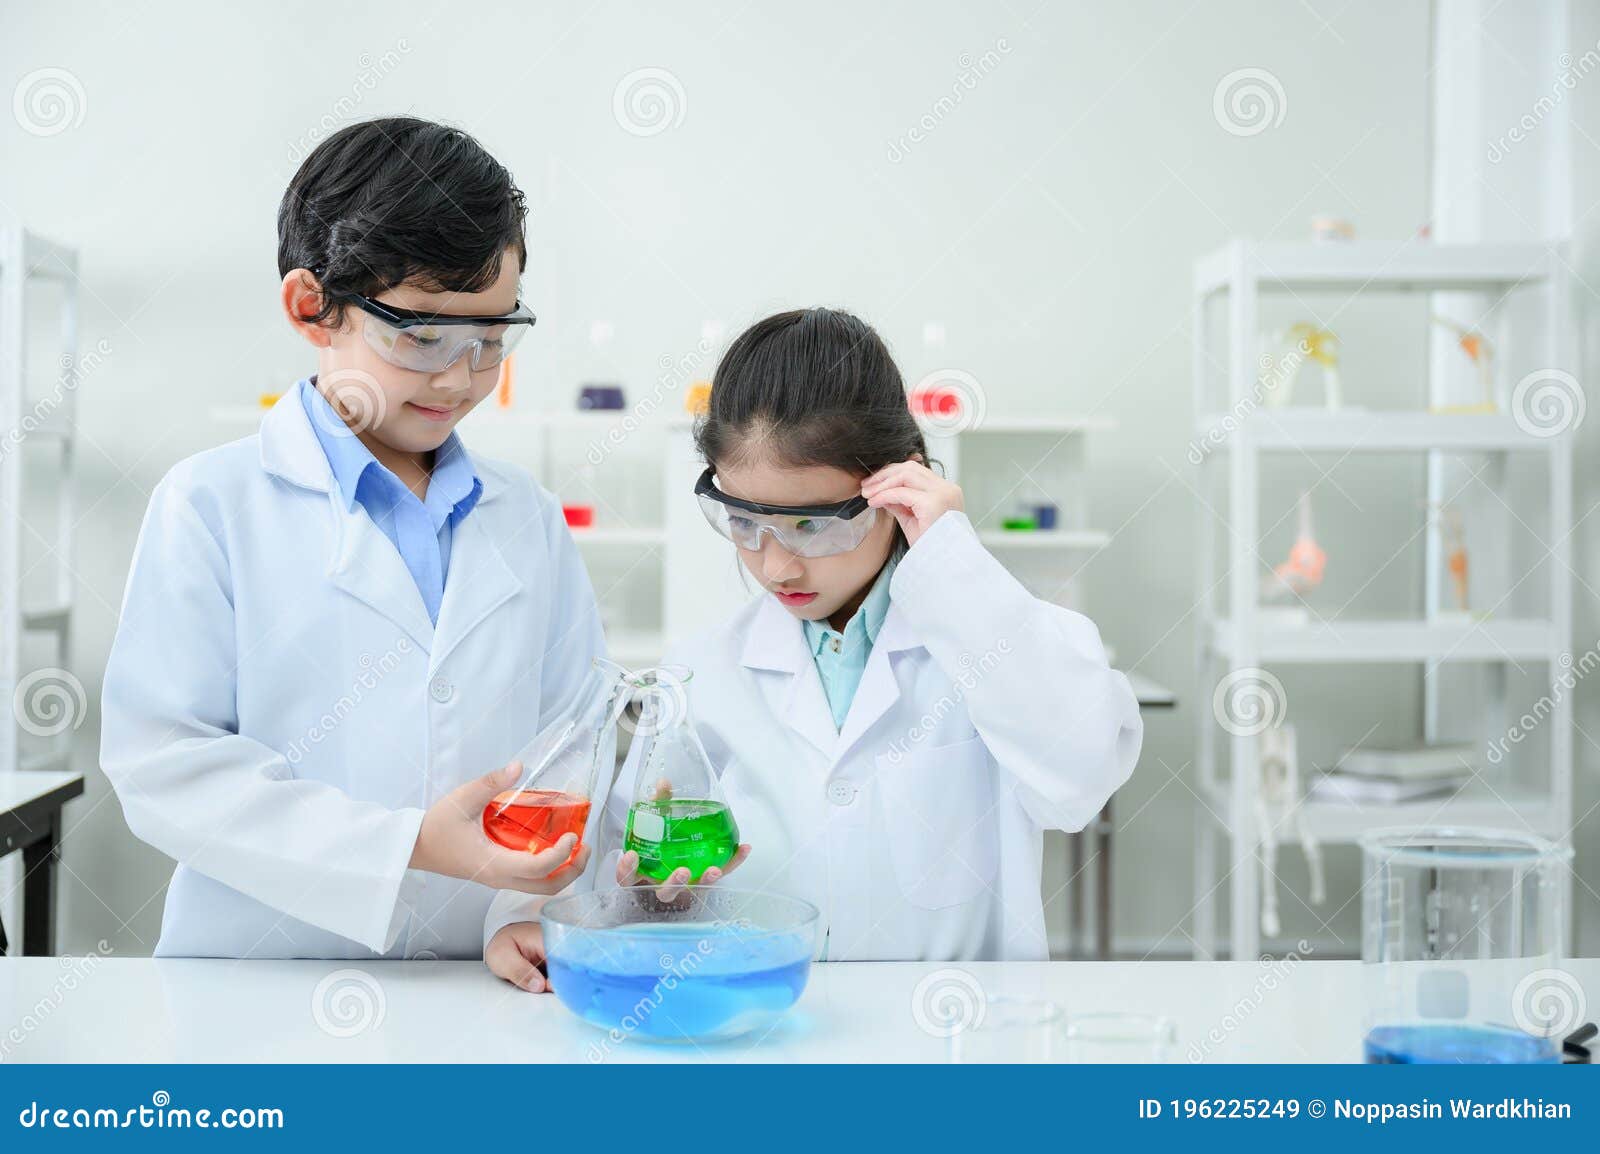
578 516
698 399
504 386
267 400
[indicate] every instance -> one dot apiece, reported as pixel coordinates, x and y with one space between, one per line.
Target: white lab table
171 1010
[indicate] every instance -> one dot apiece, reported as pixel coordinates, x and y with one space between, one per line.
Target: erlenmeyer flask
561 767
678 817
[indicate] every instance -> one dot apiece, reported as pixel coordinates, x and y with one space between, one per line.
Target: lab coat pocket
939 808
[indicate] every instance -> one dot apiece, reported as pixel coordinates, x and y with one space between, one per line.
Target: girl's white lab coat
279 710
984 717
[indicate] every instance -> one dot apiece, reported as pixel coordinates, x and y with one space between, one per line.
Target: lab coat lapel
367 566
364 563
479 581
878 692
776 643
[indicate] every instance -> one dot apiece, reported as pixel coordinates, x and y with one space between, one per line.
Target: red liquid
535 819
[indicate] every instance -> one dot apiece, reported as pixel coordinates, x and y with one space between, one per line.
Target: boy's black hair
399 200
810 387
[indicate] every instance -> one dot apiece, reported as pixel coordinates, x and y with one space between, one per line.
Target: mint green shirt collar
841 658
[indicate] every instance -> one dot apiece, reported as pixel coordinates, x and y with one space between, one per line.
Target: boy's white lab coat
279 711
984 717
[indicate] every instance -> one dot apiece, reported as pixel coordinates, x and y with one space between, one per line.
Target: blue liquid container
1462 941
712 964
1431 1045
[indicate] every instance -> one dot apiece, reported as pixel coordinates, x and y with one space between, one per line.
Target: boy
333 627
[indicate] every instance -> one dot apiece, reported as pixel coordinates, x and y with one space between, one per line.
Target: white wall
1048 221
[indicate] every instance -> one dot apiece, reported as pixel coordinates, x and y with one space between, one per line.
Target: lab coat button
441 689
841 793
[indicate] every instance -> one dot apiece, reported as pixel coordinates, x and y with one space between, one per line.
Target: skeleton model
1277 801
1296 345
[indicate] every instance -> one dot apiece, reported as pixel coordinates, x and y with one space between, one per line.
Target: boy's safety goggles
432 342
804 530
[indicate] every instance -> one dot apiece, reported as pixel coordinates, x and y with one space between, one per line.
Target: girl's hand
669 890
516 954
914 493
452 842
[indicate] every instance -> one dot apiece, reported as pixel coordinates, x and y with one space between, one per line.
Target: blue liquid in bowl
679 981
1435 1045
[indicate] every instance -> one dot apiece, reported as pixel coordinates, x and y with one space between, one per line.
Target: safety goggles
432 342
803 530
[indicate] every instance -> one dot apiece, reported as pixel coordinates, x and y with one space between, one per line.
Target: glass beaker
1009 1030
561 766
678 817
1102 1038
1461 930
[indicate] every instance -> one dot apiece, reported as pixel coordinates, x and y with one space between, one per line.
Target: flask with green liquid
678 817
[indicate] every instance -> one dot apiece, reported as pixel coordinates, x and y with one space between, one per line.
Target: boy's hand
452 842
516 953
914 493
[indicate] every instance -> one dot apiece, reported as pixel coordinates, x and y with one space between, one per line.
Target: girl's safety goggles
803 530
432 342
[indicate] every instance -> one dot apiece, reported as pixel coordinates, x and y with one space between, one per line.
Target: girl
895 720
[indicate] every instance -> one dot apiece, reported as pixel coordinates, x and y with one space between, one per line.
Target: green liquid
680 831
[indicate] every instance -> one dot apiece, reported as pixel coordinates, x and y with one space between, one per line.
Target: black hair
810 387
398 200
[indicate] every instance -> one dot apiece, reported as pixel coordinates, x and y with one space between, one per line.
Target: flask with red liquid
561 768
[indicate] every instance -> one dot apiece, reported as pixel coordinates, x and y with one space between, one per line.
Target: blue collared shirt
842 657
419 529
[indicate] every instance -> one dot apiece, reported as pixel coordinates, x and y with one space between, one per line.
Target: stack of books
1370 776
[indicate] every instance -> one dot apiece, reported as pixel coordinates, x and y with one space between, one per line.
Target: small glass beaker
1010 1030
561 767
1461 931
1100 1039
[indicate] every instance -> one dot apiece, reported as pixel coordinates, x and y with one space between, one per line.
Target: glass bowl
714 963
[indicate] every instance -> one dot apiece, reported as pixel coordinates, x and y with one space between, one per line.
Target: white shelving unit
1236 638
27 259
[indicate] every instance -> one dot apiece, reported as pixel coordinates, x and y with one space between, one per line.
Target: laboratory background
1260 333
